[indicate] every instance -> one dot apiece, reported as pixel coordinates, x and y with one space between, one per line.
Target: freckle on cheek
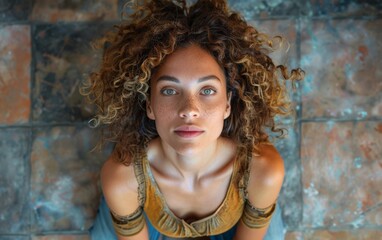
162 110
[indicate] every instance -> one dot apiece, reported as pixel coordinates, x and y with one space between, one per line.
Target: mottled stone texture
262 9
64 58
64 189
343 8
86 10
290 197
360 234
286 51
14 237
49 178
342 175
62 237
340 58
15 10
15 59
311 8
14 179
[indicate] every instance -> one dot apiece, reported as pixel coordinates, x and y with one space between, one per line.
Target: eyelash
210 89
163 91
173 91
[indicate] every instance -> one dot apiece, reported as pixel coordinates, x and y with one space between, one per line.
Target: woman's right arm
120 189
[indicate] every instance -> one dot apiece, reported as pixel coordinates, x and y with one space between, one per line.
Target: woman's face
189 100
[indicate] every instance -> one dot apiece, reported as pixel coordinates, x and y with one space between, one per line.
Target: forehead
191 62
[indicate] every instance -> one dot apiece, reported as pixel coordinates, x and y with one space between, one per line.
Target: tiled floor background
333 154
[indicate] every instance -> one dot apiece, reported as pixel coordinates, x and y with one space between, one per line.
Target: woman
187 93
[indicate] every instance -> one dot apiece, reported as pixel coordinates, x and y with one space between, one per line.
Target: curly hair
156 29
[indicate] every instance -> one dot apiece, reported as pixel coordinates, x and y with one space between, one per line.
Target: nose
189 108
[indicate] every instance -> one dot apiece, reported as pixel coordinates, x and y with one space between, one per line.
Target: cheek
163 112
217 109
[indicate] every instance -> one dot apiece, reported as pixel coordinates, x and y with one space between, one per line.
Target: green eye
168 92
208 91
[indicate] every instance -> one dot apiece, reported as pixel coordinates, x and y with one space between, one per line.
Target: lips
188 131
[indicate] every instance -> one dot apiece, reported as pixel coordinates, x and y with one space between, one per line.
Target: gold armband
128 225
257 217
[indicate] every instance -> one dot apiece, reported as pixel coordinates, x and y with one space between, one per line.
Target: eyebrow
174 79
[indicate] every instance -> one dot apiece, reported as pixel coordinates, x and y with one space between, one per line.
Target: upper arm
265 181
120 189
266 177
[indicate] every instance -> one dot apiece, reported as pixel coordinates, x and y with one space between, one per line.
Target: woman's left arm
265 181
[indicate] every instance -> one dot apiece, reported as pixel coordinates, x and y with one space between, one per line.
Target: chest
196 202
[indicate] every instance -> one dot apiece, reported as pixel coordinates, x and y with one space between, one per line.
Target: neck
192 165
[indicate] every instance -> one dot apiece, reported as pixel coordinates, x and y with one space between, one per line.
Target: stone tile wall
333 153
48 175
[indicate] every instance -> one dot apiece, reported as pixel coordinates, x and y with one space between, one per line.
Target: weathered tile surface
294 236
15 10
347 8
261 9
64 58
14 237
359 234
290 198
88 10
14 179
64 181
62 237
15 58
339 57
342 174
287 53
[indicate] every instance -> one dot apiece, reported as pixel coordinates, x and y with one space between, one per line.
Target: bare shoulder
266 176
119 186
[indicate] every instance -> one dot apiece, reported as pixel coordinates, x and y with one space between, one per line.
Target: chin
191 149
188 150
